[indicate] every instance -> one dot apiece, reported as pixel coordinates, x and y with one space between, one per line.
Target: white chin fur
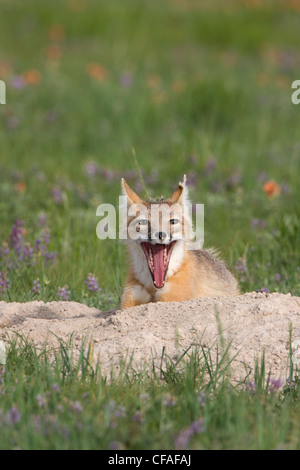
140 265
176 258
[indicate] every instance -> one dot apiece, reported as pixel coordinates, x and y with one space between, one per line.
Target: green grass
188 86
198 90
51 401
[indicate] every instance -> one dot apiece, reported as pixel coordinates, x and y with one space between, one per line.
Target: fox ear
132 197
180 195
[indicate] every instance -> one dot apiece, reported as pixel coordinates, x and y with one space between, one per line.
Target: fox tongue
158 264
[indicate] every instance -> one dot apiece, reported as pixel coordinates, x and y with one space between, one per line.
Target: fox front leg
135 295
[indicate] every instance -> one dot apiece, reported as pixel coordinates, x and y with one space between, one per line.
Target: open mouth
158 257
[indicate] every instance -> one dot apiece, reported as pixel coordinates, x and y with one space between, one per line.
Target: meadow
149 91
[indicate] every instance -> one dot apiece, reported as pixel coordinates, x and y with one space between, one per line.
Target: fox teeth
150 257
165 255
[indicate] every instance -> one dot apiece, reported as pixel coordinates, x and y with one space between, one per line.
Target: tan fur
200 272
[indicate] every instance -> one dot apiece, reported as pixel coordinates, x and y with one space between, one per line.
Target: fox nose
161 235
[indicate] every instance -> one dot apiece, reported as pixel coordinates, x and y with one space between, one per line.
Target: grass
53 402
101 90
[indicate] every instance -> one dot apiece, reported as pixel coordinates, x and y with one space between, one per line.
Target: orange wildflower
153 81
283 82
56 32
271 189
32 77
76 5
54 52
97 71
178 86
20 187
294 5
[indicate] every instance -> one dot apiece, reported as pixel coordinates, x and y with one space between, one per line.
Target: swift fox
161 266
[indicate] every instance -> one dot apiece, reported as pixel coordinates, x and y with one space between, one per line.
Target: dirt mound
253 323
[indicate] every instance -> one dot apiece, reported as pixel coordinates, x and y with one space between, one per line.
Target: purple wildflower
144 396
201 399
184 437
275 384
263 289
4 254
108 174
92 283
2 373
63 293
27 254
41 247
20 251
14 416
120 411
57 195
114 412
277 277
262 177
16 237
216 186
36 287
91 169
285 188
49 258
169 401
291 384
55 387
12 122
126 80
138 417
210 166
138 186
131 174
41 401
18 82
259 223
75 407
251 386
42 242
192 178
241 267
234 180
192 159
4 282
42 220
115 445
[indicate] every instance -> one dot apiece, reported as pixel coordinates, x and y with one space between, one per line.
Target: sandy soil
253 323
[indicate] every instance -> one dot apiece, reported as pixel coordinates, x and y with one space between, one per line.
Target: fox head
157 230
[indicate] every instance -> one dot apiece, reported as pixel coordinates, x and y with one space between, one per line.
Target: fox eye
143 222
174 221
